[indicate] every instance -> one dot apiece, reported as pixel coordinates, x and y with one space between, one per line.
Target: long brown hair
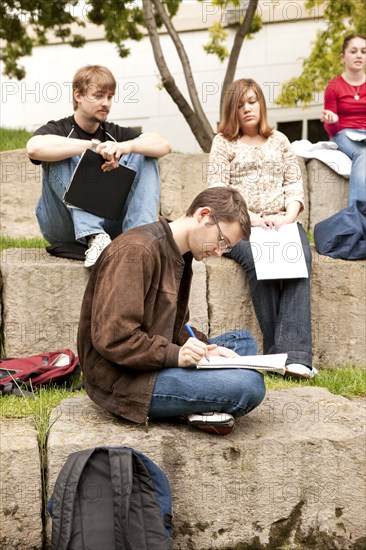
229 125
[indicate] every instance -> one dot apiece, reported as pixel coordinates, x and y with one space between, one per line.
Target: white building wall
274 55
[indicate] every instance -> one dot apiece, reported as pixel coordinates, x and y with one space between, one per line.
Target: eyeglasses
223 245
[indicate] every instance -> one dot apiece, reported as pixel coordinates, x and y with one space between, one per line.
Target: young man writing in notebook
134 349
58 146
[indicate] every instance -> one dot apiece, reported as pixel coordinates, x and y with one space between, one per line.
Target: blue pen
191 333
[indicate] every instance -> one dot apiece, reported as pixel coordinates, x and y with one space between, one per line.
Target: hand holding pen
193 350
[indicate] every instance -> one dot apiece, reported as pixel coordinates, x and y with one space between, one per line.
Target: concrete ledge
20 187
42 296
328 191
291 473
21 486
41 301
182 176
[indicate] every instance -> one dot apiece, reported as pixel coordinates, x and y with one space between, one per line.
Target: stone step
182 175
291 473
42 297
20 486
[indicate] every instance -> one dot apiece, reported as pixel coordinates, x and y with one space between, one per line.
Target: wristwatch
95 143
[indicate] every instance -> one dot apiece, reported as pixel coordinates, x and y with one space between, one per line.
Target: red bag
37 370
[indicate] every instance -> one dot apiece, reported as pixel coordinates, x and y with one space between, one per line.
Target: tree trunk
197 122
236 49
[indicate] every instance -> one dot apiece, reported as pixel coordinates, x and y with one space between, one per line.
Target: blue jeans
282 306
60 223
356 150
181 391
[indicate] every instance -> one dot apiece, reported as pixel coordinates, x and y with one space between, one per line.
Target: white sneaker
296 370
213 423
96 245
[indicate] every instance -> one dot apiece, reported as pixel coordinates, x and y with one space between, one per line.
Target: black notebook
98 192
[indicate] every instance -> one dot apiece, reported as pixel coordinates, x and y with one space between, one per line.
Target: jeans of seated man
182 391
60 223
282 306
356 150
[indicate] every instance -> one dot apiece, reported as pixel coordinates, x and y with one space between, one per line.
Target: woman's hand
275 221
256 220
329 117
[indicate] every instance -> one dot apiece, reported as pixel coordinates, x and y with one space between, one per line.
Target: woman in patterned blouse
249 155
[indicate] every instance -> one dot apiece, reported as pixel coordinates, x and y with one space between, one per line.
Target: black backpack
110 498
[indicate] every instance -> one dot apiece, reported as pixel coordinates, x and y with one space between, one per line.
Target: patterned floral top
268 176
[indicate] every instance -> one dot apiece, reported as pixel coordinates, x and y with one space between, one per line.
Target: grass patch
21 242
38 410
346 381
11 139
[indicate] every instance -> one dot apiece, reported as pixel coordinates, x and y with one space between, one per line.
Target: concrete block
182 177
20 486
230 304
291 474
198 304
338 311
20 187
328 191
304 216
41 298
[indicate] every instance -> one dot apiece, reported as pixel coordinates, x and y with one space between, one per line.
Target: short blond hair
93 76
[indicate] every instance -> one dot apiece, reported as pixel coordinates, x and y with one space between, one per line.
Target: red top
339 97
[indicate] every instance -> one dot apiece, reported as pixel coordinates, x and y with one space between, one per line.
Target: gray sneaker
96 245
297 370
213 423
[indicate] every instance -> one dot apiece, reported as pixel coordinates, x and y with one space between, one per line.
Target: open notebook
98 192
275 362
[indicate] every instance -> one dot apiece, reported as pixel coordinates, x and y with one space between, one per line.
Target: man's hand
220 351
109 165
113 150
193 351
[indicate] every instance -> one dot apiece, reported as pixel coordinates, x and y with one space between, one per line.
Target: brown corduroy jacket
132 318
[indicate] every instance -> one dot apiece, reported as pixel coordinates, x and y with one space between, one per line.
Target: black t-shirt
67 127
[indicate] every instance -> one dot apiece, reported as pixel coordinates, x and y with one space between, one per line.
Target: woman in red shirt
345 112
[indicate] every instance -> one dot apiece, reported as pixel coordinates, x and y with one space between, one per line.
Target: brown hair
350 37
226 203
93 76
229 125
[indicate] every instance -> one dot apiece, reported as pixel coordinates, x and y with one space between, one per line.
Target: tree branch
235 51
197 107
169 83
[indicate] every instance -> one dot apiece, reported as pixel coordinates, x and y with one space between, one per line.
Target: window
316 131
295 129
291 129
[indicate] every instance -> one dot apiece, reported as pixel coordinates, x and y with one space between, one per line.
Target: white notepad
278 253
275 362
